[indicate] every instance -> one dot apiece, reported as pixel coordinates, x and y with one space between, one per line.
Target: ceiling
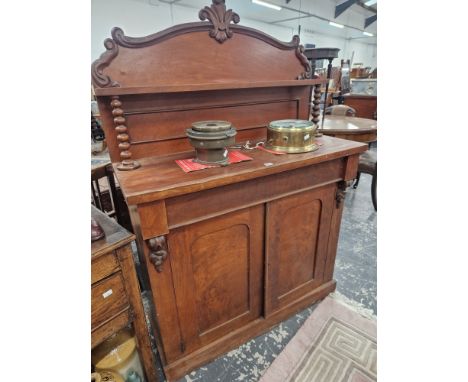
312 15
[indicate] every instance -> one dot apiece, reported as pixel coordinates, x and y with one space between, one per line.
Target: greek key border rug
335 344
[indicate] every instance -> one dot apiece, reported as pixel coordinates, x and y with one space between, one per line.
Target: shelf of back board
209 86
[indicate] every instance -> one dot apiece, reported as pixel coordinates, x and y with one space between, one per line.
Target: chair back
343 110
107 197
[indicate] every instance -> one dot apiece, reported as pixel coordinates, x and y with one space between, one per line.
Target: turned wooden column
127 163
316 105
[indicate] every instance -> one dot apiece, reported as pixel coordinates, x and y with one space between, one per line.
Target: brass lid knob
211 126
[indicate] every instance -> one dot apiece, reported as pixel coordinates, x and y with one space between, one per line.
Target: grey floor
356 276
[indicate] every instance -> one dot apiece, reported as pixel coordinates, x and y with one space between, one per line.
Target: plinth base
128 165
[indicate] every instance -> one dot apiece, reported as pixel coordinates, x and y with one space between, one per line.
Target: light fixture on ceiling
268 5
335 24
370 2
368 34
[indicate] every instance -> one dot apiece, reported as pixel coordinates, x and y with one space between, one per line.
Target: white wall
139 18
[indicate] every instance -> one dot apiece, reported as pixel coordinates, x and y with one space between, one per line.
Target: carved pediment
220 24
220 18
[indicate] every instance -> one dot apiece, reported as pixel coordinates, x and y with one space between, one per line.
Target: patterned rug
335 344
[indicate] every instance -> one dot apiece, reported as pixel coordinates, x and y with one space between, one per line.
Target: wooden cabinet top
116 235
160 177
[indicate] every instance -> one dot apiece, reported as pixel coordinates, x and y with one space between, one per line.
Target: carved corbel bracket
220 18
341 192
158 251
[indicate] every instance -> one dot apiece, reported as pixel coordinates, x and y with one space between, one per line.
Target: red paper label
188 165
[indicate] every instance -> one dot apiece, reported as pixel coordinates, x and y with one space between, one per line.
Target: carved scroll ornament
220 18
303 59
99 78
158 251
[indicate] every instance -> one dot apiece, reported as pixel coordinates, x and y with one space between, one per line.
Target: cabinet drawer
103 266
187 209
108 299
106 330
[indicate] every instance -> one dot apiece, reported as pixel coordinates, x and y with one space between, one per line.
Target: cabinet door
217 268
297 229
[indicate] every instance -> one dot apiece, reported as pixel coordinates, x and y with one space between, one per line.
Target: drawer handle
158 251
107 293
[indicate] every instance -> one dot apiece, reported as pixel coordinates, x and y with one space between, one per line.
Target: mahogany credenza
226 252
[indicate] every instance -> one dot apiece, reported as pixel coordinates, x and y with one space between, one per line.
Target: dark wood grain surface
365 105
172 88
349 125
296 245
161 177
351 128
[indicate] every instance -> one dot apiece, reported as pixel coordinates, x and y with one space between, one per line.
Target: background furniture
314 54
364 86
106 196
341 110
97 134
365 105
115 293
227 252
368 165
345 84
358 71
352 128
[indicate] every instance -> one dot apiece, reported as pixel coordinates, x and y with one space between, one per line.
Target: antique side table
352 128
115 294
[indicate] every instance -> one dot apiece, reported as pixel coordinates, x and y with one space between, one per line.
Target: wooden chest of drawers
115 293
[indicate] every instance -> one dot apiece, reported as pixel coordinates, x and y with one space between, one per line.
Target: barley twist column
316 106
127 163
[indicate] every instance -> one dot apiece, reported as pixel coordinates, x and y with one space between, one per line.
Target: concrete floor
356 276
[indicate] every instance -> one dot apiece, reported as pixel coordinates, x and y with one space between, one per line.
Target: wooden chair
107 197
343 110
368 165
